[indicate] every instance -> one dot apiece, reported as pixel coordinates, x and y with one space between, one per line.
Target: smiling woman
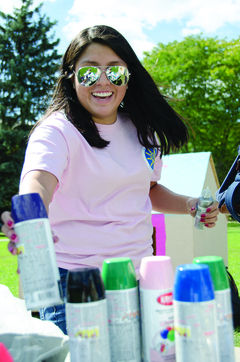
95 158
100 92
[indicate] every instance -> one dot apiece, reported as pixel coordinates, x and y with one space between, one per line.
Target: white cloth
29 339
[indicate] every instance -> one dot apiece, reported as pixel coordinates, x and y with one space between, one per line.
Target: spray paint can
223 305
195 314
203 203
36 256
123 309
156 286
86 316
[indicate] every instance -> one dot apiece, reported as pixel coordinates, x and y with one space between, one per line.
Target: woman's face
102 99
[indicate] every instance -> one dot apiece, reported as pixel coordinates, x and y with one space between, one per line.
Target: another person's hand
224 210
209 218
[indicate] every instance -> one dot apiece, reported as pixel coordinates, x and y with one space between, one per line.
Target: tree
28 64
12 150
202 74
29 61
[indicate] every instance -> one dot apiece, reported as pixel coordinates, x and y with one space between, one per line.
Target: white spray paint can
156 285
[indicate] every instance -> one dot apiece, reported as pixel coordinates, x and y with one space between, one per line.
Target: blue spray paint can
36 255
195 321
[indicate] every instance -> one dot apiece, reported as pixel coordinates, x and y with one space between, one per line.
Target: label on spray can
222 294
225 325
87 329
37 264
196 331
124 324
158 324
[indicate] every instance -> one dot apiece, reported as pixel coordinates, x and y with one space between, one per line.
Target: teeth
102 94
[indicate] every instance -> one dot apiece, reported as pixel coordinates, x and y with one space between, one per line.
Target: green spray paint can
222 293
121 291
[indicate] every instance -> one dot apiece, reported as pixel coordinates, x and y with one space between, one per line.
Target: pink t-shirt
101 206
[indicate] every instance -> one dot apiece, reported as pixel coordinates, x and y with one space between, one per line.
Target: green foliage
203 75
28 64
12 151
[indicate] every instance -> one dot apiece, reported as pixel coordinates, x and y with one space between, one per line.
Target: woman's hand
209 218
8 230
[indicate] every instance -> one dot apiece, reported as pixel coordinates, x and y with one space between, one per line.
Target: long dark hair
147 107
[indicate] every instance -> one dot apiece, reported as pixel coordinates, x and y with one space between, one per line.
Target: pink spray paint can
156 302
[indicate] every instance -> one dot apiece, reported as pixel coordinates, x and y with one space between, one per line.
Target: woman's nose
103 79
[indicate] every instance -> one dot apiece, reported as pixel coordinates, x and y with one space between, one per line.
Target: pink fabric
101 207
158 222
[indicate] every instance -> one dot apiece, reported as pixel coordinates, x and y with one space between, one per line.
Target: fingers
55 237
10 233
192 206
8 230
209 218
224 210
12 248
6 218
8 226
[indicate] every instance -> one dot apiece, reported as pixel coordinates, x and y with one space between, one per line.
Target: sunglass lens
118 75
88 76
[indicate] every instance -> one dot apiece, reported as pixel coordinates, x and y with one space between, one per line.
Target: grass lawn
234 263
234 251
9 276
9 265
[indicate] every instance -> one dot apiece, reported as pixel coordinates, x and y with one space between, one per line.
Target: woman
95 157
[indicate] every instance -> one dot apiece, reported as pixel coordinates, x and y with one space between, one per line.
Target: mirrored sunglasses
117 75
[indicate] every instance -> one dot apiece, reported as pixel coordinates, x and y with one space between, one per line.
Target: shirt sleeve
47 150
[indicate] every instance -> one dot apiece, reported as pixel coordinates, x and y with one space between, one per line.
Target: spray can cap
84 285
27 207
193 283
118 273
217 270
156 272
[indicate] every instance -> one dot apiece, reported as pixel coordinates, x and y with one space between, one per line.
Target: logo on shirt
149 155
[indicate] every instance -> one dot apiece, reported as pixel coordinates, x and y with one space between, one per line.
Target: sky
144 23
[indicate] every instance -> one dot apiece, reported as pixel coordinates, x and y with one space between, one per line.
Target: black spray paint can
86 316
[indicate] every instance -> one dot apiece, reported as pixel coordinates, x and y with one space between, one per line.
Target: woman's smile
102 95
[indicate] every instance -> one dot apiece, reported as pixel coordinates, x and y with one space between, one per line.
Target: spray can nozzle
206 193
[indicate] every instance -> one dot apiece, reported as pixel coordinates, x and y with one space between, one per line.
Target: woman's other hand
208 218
